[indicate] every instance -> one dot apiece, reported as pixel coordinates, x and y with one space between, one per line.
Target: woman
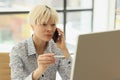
36 58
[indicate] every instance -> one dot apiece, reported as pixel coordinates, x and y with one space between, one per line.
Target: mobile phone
55 36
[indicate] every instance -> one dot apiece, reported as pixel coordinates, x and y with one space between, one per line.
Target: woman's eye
53 24
44 24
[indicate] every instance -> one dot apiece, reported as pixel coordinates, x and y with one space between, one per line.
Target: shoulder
19 47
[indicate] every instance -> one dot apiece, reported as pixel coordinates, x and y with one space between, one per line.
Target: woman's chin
48 39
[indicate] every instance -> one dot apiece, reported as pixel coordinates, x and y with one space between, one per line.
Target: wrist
36 74
66 53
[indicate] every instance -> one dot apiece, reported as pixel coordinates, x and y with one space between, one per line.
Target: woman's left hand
61 40
61 43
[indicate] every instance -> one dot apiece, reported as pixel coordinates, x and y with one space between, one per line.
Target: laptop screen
97 56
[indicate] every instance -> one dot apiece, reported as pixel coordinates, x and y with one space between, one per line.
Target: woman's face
44 31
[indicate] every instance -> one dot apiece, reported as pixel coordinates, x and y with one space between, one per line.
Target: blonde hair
41 14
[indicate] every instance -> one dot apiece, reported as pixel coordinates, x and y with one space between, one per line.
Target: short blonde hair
41 14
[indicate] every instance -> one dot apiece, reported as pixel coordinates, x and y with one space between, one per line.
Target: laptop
97 56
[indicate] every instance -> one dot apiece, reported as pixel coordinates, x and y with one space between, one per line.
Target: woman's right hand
43 62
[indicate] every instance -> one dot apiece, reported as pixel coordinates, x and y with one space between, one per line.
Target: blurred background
75 17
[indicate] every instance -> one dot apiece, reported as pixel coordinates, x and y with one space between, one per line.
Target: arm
44 60
64 68
61 44
64 64
17 70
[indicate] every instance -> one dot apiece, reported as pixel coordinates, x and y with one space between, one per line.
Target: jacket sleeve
16 65
64 65
64 68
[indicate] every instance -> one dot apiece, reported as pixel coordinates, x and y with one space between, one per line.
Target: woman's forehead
50 20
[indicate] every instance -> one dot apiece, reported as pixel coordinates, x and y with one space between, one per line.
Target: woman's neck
40 45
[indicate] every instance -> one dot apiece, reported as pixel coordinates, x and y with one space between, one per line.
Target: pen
59 56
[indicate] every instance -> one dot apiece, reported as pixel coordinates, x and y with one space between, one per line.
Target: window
13 28
76 17
117 15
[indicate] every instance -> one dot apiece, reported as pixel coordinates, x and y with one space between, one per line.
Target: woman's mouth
48 35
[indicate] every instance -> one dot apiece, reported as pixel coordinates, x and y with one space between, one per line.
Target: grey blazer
23 61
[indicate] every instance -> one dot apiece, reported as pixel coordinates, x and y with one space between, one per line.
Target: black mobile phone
56 35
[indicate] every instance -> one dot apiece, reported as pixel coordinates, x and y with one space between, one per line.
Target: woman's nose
49 28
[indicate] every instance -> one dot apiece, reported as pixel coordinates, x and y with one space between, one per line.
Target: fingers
46 58
61 33
48 55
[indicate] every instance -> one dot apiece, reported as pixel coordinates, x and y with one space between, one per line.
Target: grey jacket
23 61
